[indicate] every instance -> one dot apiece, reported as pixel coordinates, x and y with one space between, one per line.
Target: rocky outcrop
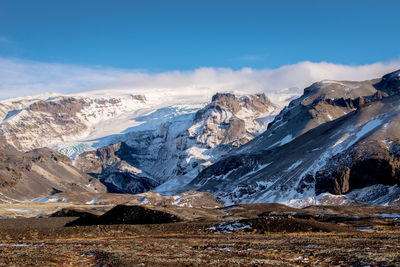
65 106
228 119
113 165
366 167
97 161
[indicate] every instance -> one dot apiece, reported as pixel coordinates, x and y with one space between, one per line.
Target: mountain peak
390 83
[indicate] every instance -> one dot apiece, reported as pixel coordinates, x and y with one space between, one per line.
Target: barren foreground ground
244 235
205 250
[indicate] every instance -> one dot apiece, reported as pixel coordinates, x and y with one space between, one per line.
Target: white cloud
21 77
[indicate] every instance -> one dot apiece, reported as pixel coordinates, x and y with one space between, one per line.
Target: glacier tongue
173 144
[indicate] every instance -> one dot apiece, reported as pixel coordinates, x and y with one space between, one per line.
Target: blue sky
68 46
182 35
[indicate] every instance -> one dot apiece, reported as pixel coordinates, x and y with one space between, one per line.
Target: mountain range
338 143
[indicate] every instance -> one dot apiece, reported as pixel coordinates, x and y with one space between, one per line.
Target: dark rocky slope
114 166
122 214
354 152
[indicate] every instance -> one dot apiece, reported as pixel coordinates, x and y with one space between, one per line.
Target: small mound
255 210
290 225
122 214
72 213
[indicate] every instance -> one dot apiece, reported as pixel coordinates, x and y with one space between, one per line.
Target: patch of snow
300 259
333 82
294 165
73 149
341 140
177 199
91 202
16 244
143 200
322 199
258 168
365 129
172 184
196 153
229 227
300 203
366 229
7 199
226 249
376 194
282 142
19 210
46 199
388 215
368 127
40 199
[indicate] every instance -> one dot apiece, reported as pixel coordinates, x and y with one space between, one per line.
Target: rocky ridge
40 172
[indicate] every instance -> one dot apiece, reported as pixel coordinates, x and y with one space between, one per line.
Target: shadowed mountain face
339 138
114 166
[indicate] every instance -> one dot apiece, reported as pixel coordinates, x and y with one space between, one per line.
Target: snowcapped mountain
136 142
185 141
34 123
336 144
339 138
